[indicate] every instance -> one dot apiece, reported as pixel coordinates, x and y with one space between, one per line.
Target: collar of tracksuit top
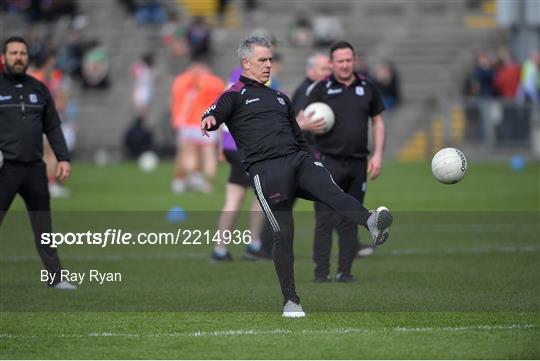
249 81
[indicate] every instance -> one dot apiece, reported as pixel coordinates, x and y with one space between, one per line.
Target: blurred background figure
362 66
387 80
149 12
507 75
193 91
173 36
479 83
278 66
95 68
327 29
530 79
144 83
317 69
46 71
199 36
138 138
71 54
300 31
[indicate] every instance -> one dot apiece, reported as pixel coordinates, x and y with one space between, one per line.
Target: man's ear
245 63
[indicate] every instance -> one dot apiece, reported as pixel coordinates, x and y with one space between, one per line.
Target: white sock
178 185
220 250
196 179
371 222
255 245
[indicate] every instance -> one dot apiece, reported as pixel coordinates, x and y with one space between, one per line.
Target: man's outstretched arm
218 112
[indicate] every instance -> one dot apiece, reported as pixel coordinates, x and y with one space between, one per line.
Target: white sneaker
65 286
293 310
178 186
378 223
365 251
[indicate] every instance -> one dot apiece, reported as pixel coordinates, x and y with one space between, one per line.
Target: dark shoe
322 279
217 258
344 277
252 255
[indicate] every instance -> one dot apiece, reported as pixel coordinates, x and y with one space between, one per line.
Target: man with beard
27 111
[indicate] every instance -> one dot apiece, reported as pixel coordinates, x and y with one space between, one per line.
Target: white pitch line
251 332
185 255
449 251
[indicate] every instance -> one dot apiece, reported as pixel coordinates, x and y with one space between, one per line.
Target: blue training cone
176 215
517 163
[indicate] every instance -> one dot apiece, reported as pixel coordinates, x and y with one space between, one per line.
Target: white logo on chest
334 91
33 98
6 97
252 100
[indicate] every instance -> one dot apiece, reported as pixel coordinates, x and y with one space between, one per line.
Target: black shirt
299 98
27 112
353 105
299 101
260 119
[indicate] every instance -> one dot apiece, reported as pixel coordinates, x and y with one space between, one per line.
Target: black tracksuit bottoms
277 183
30 181
350 174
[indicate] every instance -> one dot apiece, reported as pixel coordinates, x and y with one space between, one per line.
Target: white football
148 161
449 165
322 110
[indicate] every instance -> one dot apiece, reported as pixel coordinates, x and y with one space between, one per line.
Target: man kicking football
279 162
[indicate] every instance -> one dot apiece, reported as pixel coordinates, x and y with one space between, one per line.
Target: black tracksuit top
27 111
260 119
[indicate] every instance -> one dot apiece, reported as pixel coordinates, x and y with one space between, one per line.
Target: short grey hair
246 46
311 60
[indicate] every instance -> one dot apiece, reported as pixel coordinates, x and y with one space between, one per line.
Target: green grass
457 280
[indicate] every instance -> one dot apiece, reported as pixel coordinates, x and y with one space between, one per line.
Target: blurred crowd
499 75
43 10
70 61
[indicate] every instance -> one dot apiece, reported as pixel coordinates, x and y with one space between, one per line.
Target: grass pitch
458 278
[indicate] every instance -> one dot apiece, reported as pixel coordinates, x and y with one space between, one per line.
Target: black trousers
277 183
238 175
350 174
30 181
